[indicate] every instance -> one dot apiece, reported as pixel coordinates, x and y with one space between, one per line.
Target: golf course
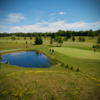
62 81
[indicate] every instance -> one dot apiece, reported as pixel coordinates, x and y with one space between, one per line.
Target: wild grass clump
52 61
52 97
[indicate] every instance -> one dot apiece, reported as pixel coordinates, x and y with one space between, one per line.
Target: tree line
69 33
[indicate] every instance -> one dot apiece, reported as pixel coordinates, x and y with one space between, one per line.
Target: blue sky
49 15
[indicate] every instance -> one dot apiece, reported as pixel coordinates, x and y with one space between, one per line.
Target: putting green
77 53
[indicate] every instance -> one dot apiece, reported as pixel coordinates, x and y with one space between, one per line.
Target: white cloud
62 13
15 17
55 26
53 18
51 14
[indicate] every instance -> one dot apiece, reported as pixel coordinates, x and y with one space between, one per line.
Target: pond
27 59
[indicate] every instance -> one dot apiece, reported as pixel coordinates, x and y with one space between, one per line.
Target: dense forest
67 33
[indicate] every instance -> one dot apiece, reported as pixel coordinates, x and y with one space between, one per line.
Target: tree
30 37
83 39
25 38
45 35
37 39
51 41
69 34
66 38
79 38
98 39
40 40
60 40
55 38
13 38
73 38
91 34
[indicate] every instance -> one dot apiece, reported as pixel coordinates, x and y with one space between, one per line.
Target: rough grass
55 83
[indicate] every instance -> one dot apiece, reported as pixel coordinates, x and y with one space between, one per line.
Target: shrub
62 64
30 37
67 66
94 46
97 46
13 38
26 42
77 70
71 67
24 38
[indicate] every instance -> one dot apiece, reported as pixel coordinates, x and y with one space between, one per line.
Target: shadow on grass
37 44
53 46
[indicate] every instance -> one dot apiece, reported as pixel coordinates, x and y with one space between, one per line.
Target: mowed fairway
78 53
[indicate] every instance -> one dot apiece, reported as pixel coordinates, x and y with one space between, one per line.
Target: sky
49 15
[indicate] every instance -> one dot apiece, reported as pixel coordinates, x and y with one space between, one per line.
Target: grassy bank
57 82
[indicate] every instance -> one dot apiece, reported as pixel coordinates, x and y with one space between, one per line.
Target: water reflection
37 53
27 59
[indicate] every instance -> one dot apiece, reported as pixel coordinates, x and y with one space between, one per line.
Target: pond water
28 59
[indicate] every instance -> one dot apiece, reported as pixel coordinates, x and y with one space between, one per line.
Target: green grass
57 82
78 53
